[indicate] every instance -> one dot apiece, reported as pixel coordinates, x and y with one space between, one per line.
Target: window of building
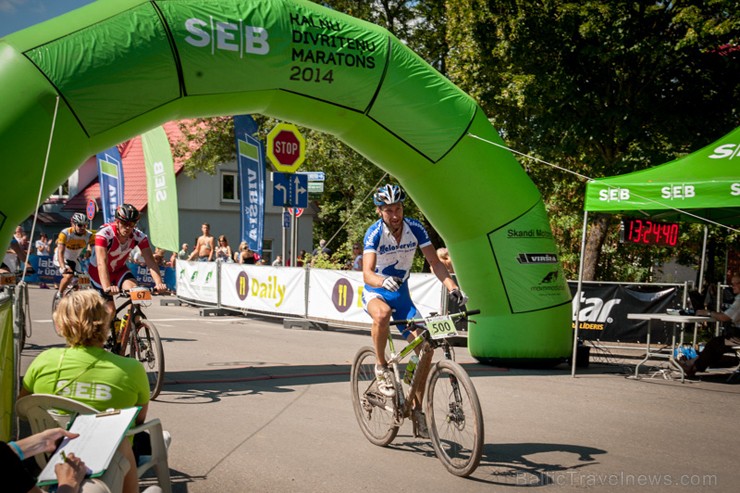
229 186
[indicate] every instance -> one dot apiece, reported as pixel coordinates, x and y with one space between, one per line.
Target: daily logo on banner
110 176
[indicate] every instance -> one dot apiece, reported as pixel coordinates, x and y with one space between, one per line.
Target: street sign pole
293 253
282 222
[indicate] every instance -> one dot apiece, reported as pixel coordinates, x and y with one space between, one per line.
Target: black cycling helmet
127 213
79 219
389 194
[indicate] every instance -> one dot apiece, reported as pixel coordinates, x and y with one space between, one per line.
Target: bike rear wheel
454 418
146 346
373 410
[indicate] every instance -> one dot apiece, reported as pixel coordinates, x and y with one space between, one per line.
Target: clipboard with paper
100 436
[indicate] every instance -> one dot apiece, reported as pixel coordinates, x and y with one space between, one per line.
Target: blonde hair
81 318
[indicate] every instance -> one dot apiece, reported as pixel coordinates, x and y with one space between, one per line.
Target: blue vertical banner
110 176
250 155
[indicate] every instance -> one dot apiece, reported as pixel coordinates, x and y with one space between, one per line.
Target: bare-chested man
205 245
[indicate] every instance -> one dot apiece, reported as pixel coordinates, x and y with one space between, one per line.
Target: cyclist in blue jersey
389 248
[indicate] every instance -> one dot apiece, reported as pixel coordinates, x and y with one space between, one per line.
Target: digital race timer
646 232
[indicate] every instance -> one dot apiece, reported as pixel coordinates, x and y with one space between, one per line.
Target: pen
64 456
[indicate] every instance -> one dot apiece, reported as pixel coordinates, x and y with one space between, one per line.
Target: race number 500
441 327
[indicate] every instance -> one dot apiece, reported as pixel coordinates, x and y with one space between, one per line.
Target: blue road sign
313 175
289 190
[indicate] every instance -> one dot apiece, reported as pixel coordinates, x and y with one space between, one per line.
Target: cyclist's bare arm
153 269
101 254
369 259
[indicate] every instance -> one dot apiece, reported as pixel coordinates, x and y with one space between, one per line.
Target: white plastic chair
40 410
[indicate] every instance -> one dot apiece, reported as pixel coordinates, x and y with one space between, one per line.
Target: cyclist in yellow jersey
70 244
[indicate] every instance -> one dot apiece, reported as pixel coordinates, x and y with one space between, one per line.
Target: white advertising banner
337 295
264 288
197 281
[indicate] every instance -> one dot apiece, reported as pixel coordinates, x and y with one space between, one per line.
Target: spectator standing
21 237
444 256
246 256
43 245
357 254
300 260
183 253
205 245
223 250
322 249
43 249
278 262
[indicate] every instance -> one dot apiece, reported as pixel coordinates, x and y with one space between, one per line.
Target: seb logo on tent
614 194
729 151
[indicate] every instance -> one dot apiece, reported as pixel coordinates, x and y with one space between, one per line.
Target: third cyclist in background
70 244
389 248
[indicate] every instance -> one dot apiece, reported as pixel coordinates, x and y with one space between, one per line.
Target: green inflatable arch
122 67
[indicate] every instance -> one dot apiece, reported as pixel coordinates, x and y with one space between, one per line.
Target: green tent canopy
702 185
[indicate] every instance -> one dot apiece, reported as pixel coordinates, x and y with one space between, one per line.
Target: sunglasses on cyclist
126 224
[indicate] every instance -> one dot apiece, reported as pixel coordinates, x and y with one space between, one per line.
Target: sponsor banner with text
197 281
264 288
337 295
604 309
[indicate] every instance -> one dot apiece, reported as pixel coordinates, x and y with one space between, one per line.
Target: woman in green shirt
85 371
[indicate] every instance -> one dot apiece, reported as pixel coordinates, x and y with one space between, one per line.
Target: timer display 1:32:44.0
646 232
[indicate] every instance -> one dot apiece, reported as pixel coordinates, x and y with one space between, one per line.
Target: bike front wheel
454 418
373 410
146 346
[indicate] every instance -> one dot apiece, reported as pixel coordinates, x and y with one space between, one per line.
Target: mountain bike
79 281
136 337
453 412
21 307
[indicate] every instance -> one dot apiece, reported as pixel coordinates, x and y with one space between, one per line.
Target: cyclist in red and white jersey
108 271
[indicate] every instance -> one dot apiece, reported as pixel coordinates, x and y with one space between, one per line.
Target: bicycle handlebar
461 314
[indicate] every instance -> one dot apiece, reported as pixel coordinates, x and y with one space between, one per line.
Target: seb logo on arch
227 36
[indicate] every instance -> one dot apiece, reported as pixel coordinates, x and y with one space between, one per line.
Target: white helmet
79 219
389 194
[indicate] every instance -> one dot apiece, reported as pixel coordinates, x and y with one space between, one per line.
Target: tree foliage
600 88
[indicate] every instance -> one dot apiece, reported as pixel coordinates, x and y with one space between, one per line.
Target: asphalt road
252 406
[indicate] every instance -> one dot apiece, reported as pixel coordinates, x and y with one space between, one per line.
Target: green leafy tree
601 88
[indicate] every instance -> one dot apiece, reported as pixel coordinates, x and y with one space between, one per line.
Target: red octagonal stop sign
286 147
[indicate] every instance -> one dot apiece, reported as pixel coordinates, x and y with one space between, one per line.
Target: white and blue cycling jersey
391 258
394 259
